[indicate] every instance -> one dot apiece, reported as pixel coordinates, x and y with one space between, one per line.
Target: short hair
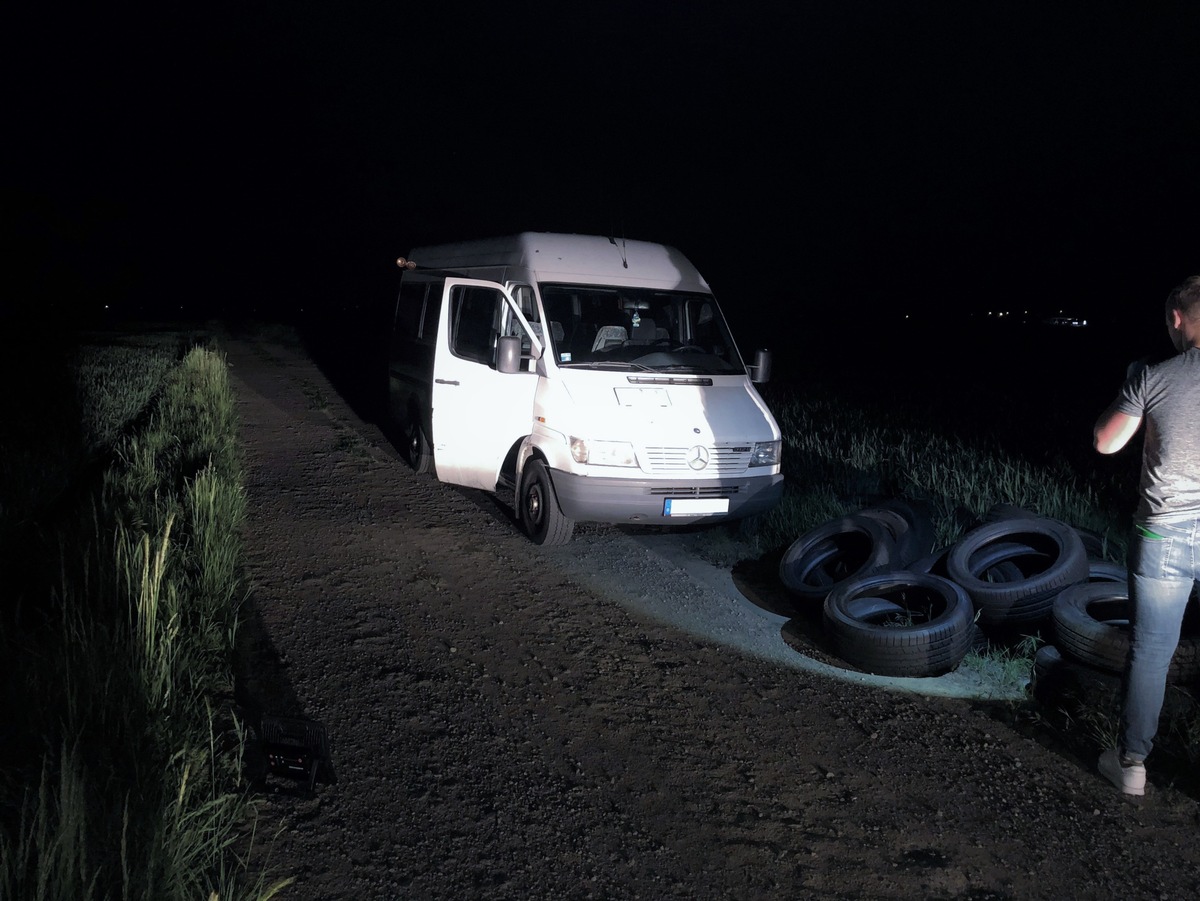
1186 298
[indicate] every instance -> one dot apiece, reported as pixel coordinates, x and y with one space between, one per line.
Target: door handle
446 381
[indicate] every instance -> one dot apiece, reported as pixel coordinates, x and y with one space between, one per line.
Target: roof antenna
613 242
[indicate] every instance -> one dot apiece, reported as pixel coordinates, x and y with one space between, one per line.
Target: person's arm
1114 429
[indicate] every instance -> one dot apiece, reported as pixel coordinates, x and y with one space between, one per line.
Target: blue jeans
1162 572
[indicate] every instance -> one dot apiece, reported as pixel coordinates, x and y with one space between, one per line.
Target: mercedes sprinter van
594 377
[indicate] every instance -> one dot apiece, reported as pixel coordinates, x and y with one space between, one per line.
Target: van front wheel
541 517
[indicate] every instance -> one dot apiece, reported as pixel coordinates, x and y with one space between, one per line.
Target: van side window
705 331
429 322
474 322
409 306
523 295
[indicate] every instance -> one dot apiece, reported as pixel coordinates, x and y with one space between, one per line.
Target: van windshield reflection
594 325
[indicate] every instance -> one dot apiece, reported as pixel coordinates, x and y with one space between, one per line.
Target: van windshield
662 330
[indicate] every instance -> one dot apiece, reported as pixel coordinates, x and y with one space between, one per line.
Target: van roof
580 259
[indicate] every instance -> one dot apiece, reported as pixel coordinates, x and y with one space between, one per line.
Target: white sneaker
1127 775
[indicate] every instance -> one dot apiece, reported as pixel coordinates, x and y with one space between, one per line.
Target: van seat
644 332
608 336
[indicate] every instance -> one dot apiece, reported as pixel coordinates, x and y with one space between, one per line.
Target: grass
839 457
1006 666
124 780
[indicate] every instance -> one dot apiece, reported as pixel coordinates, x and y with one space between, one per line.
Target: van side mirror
508 353
761 370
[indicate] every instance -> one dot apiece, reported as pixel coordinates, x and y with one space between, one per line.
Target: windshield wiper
685 367
596 364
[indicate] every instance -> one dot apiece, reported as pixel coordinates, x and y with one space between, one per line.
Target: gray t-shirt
1167 397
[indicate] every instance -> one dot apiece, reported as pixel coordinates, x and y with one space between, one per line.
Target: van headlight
766 453
602 453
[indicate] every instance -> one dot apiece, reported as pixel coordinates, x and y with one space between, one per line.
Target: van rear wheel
420 454
541 517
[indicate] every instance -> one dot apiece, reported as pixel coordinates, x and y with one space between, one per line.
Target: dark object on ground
1091 625
1107 571
1050 557
900 623
840 549
910 524
297 749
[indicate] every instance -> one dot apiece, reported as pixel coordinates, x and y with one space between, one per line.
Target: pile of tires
894 605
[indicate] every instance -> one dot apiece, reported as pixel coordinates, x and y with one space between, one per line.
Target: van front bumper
592 499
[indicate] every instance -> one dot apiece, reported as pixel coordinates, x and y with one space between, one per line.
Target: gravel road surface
617 718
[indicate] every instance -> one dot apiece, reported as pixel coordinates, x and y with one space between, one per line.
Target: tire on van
537 506
417 447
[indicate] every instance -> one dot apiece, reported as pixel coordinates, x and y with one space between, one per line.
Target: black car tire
418 449
1091 625
541 516
910 525
900 623
1107 571
1052 558
834 551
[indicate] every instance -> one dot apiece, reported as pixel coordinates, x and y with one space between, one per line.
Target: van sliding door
479 413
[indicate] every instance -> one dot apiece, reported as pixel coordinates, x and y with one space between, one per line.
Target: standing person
1164 549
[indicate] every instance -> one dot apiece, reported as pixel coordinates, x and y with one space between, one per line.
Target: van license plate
694 506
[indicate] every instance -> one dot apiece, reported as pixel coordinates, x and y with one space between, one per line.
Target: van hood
612 407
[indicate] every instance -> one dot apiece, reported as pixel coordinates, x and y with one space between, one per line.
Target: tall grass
125 780
839 457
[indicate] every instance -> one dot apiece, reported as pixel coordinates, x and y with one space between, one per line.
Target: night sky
833 160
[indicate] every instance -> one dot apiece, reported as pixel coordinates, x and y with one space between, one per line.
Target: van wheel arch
508 469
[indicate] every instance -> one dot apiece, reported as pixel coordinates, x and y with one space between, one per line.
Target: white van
594 377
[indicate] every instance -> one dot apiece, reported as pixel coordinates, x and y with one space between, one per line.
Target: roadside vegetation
844 452
119 532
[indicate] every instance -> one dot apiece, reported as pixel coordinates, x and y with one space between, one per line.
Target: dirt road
514 722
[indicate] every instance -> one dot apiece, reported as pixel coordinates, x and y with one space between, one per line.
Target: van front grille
696 491
734 458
